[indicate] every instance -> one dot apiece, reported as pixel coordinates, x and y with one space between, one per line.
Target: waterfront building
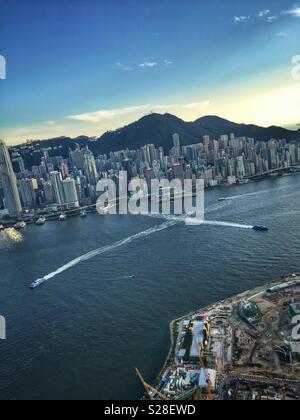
9 182
28 188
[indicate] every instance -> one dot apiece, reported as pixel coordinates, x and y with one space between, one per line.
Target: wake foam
109 248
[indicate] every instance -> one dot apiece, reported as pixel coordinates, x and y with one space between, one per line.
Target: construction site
244 348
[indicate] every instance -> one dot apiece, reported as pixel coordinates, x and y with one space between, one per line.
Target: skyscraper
65 192
56 181
9 182
176 143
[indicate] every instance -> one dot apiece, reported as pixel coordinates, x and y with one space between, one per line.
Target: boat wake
227 224
262 192
169 222
109 248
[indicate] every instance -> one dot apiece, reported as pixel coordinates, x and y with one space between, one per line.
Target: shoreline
213 308
8 223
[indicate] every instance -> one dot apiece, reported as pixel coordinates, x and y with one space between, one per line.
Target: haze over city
97 66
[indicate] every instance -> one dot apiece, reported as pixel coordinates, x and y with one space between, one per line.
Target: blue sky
85 66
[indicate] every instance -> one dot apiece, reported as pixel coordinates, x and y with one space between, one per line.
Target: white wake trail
194 221
262 192
227 224
108 248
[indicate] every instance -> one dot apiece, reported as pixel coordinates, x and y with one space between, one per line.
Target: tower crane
150 389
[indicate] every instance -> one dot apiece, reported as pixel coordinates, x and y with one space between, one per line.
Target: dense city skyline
68 72
69 182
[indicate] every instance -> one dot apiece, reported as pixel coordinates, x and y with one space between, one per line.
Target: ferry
260 228
37 283
20 225
106 210
41 221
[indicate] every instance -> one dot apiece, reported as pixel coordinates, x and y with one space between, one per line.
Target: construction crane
150 389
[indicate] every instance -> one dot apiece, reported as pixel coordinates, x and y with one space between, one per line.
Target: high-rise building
28 189
89 166
65 192
18 164
70 193
176 143
56 181
9 182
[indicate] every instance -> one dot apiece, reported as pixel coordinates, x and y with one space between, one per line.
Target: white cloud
147 65
95 123
271 19
240 19
124 67
168 62
282 34
294 11
264 13
104 114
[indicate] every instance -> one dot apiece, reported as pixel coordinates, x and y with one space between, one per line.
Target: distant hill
158 129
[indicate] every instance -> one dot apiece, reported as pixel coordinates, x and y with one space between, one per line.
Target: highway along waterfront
82 333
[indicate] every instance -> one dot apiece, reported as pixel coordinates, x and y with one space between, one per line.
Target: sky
82 67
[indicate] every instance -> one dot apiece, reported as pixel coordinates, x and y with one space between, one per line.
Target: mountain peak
159 128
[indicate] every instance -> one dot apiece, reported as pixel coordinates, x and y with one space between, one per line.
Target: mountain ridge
159 128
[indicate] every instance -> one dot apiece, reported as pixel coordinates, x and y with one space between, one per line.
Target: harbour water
82 333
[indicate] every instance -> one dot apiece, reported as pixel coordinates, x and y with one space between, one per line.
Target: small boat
40 221
83 213
37 283
260 228
107 209
1 227
62 217
20 225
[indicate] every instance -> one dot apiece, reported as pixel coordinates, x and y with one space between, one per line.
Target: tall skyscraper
9 182
65 191
56 181
176 143
89 167
70 193
28 188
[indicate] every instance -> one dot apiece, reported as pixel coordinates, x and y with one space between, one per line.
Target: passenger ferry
260 228
37 283
20 225
41 221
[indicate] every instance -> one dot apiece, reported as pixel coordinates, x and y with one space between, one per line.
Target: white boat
20 225
37 283
83 213
41 221
62 217
107 209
